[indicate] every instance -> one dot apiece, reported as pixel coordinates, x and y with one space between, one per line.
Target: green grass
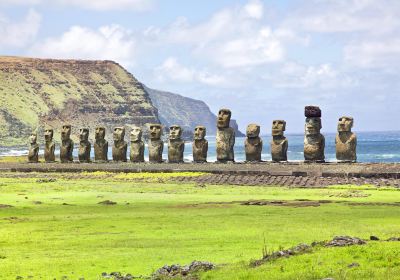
154 224
377 260
14 159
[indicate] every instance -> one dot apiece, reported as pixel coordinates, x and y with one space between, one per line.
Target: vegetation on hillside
35 93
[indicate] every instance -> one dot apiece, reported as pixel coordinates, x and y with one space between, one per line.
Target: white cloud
172 70
373 54
258 49
254 9
111 42
19 34
346 16
100 5
372 26
20 2
322 76
235 37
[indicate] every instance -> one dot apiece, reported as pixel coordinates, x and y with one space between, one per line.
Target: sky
264 60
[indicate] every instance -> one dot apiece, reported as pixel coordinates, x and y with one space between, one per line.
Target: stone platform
322 170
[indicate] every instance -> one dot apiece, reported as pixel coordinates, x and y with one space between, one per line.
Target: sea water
371 147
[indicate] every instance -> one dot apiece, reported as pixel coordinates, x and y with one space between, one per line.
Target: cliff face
186 112
35 93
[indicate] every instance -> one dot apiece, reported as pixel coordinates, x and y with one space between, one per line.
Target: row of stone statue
314 142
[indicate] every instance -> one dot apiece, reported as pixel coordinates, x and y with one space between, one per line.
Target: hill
35 93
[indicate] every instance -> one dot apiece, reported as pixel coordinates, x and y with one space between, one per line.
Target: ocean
371 147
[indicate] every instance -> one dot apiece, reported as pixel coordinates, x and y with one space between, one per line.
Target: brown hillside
35 93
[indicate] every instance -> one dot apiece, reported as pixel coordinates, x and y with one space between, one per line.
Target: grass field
56 229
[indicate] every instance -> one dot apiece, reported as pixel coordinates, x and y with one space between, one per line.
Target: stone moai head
119 134
66 132
313 120
48 134
224 118
199 132
253 130
33 138
175 132
136 134
100 133
155 131
313 126
278 127
83 134
345 124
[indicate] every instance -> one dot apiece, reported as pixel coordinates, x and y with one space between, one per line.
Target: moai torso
156 148
119 151
84 151
279 143
279 146
67 145
137 151
176 145
84 145
101 150
100 145
346 141
200 149
225 141
66 150
49 151
253 144
314 141
120 147
175 151
137 145
225 137
156 145
253 149
314 146
200 144
33 154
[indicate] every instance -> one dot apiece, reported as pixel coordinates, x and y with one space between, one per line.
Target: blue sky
263 59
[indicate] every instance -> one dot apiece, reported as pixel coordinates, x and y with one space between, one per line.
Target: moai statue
84 145
100 145
49 146
33 154
314 141
137 145
120 146
156 145
225 137
67 145
176 145
200 144
253 144
279 143
346 141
